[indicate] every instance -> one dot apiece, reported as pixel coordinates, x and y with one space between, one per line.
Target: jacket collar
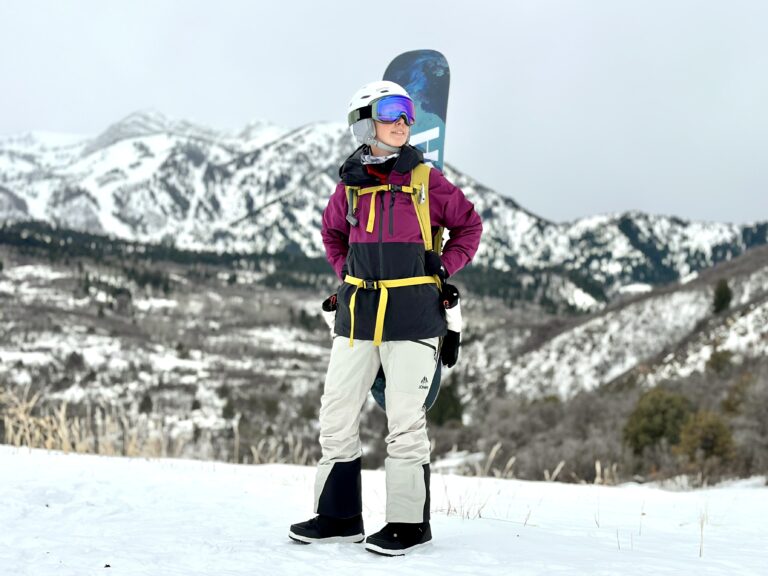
352 172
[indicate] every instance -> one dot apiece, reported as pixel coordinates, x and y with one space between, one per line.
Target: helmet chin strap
380 145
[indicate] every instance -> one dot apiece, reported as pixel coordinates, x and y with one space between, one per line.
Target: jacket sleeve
449 207
335 230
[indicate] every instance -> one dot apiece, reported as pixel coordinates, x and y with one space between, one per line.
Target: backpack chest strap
373 190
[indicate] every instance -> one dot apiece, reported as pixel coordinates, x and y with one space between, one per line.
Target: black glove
449 353
329 305
449 295
449 299
434 265
329 312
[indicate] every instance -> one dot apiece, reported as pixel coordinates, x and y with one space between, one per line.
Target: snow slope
68 515
605 347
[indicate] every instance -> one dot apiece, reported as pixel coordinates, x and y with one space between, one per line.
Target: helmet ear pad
364 131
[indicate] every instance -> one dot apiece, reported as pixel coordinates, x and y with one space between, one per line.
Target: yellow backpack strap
372 210
420 197
373 189
437 240
352 192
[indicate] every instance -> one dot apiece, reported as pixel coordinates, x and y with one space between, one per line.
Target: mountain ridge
151 179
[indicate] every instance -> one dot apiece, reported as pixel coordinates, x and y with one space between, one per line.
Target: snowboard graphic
426 77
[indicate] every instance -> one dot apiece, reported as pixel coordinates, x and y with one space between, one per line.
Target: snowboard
426 77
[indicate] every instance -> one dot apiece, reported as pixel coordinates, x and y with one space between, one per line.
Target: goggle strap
360 114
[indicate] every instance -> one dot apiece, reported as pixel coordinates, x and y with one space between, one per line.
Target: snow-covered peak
257 133
148 123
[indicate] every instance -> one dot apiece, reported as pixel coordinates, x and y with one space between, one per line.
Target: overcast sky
572 108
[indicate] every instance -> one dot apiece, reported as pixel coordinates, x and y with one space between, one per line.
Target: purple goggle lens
391 108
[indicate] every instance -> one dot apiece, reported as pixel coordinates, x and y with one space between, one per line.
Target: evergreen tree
708 435
658 415
145 407
723 296
447 406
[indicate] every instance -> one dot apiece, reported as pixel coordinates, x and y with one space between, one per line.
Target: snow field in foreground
67 514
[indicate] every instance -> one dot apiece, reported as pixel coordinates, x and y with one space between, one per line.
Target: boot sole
354 539
387 552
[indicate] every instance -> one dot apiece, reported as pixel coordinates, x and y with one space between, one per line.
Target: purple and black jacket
395 248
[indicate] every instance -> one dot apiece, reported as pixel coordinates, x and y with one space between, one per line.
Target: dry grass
487 468
607 475
109 432
287 450
113 432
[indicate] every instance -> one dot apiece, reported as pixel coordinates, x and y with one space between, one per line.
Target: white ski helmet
363 129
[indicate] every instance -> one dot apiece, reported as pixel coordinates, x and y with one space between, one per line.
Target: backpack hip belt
382 285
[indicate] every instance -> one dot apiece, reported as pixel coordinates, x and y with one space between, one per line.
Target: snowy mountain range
150 179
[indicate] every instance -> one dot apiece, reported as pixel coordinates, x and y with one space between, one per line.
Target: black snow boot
398 538
326 529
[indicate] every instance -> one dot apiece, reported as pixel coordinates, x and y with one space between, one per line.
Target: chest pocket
402 218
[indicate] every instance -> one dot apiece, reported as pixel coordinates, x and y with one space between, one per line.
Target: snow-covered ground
75 515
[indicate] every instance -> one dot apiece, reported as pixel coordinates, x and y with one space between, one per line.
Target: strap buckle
370 285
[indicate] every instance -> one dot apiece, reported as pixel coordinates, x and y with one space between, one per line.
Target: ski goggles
387 109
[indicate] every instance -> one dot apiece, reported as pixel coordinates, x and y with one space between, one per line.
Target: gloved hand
329 312
330 304
450 300
433 264
449 353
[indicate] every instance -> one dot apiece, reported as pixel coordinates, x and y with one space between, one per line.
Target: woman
389 314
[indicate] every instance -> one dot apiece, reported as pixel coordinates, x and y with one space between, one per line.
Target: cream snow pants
409 367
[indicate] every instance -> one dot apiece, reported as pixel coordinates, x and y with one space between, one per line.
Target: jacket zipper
381 245
391 211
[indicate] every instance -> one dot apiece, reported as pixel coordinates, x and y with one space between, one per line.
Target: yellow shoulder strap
352 192
420 197
420 184
351 203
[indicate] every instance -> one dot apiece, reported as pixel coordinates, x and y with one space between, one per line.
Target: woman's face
394 134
